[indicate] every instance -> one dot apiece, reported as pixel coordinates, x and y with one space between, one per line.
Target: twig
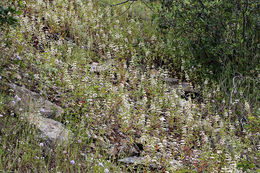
132 1
145 3
121 3
112 5
126 9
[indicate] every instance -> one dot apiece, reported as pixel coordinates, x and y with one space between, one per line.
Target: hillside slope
87 58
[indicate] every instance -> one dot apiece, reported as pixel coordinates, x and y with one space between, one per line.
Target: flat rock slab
143 161
133 160
139 161
28 101
37 111
101 67
49 128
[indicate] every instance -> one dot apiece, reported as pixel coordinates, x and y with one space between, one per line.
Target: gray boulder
38 112
28 101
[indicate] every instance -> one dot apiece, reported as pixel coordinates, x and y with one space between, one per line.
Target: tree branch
127 8
122 3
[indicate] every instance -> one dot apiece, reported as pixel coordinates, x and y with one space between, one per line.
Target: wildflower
18 57
162 119
94 68
42 110
1 116
72 162
0 77
141 44
18 98
182 103
41 144
106 170
100 164
219 151
36 76
236 101
153 38
147 53
247 106
117 36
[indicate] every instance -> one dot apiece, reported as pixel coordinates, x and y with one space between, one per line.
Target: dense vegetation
105 66
219 35
7 14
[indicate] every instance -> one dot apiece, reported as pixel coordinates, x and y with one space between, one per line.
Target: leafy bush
7 14
212 34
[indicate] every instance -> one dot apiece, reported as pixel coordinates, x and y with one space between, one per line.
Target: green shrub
7 14
212 34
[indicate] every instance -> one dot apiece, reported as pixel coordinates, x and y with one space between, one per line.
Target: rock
171 81
49 128
185 86
123 149
101 67
28 101
17 76
177 84
139 161
133 160
37 111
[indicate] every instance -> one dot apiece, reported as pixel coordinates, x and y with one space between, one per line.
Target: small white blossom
219 151
100 164
36 76
106 170
247 106
162 119
182 103
41 144
1 116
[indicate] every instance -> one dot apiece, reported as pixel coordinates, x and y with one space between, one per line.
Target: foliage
7 14
214 41
214 34
245 165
